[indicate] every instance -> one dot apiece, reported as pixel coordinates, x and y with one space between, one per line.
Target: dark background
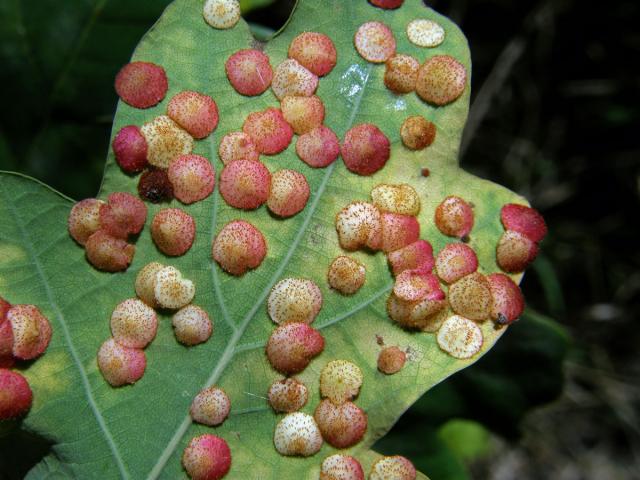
555 117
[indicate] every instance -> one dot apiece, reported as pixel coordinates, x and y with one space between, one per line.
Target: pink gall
15 395
238 247
268 130
289 193
416 285
237 146
341 467
207 457
121 365
508 302
416 255
245 184
524 220
192 177
387 4
515 252
249 72
210 407
292 346
425 314
130 148
302 113
342 426
454 217
134 324
31 331
375 42
314 51
192 325
123 215
141 84
108 253
173 231
84 219
291 78
319 147
398 231
455 261
365 149
195 112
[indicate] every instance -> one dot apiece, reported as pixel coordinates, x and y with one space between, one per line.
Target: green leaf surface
140 431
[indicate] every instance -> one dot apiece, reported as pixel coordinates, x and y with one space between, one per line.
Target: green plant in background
154 409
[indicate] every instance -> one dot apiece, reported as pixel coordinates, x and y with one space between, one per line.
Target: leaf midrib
67 336
230 350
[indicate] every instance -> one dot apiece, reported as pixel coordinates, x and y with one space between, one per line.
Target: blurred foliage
554 117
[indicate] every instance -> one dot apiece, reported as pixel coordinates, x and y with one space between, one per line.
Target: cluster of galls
162 147
418 300
293 304
208 456
245 182
337 420
134 323
24 335
162 150
345 467
439 81
104 228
